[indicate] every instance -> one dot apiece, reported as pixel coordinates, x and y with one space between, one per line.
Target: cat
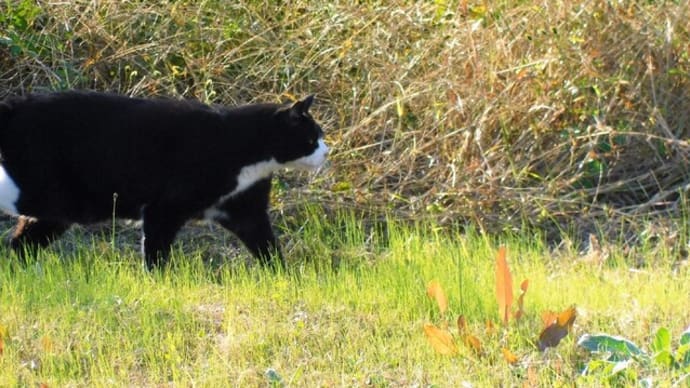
82 157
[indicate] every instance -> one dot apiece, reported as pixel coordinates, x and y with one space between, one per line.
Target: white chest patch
251 174
9 193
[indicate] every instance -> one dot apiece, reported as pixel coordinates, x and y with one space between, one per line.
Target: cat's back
69 152
62 110
83 120
61 105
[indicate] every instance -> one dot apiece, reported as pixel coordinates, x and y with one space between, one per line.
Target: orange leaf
441 340
548 317
435 291
518 314
521 311
509 356
504 286
567 317
472 342
559 327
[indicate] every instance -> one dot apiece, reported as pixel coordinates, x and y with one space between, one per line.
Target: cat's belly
65 206
96 201
79 211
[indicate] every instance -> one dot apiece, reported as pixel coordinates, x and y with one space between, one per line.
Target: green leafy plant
615 354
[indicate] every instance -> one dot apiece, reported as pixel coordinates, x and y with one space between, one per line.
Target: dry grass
552 114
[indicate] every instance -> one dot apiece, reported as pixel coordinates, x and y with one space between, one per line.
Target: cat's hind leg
161 225
30 234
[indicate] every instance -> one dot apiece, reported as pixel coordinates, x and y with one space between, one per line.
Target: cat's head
299 143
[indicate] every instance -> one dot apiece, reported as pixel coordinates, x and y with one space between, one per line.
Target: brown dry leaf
441 340
2 347
518 314
462 325
521 311
490 327
468 339
559 327
504 286
435 291
472 342
509 356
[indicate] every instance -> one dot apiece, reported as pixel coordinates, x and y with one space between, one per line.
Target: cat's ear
301 107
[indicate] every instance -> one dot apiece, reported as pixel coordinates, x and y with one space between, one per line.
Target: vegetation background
501 114
566 120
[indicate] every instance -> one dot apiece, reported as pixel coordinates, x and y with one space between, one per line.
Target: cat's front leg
246 216
256 233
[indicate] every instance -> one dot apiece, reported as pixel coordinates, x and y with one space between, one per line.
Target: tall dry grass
547 114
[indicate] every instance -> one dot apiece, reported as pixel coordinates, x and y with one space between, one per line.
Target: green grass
93 317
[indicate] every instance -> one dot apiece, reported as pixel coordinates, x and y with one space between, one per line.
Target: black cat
77 157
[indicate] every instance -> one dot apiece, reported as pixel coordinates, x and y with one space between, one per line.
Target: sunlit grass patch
94 317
